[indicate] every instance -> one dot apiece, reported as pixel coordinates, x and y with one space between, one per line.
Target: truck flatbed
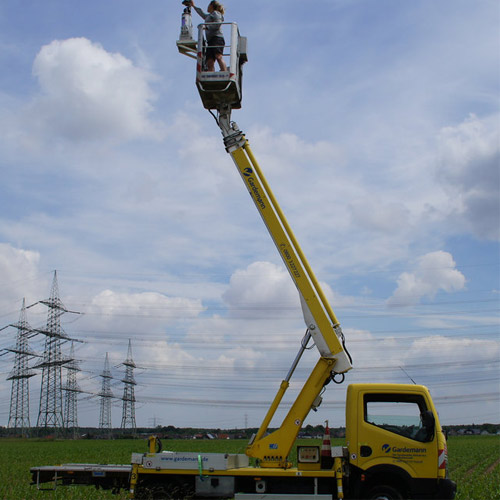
106 476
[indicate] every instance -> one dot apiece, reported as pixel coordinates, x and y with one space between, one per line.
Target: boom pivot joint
233 136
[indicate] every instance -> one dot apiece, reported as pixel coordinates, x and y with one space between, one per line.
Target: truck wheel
384 493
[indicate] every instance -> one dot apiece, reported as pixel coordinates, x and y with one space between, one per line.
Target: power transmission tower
51 401
128 413
106 395
19 414
71 390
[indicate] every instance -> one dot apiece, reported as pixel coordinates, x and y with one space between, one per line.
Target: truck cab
395 442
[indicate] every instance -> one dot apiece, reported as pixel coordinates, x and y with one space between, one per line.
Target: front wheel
384 493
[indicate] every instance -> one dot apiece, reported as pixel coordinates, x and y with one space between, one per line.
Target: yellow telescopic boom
322 325
221 91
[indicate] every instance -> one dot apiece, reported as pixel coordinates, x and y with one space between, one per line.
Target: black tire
384 493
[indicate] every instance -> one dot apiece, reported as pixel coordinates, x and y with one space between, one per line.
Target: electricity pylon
51 401
128 413
19 414
71 389
106 394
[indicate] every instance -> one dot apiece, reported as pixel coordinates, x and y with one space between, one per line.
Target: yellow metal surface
273 449
309 466
134 476
339 475
272 410
152 440
418 459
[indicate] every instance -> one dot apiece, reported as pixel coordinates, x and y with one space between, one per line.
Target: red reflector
442 459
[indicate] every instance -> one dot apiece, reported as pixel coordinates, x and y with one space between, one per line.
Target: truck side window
400 414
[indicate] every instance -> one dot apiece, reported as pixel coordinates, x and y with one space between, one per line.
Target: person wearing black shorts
214 35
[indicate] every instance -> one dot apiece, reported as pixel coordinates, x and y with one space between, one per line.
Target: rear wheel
384 493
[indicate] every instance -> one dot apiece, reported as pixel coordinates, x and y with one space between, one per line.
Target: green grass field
474 463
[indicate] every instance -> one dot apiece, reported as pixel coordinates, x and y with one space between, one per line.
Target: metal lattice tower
51 400
71 389
106 395
128 414
19 414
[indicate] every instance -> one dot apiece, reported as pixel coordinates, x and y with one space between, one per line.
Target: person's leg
210 65
222 63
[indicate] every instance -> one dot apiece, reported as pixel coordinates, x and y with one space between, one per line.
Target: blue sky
377 126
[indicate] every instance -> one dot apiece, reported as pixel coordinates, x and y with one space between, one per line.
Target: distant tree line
172 432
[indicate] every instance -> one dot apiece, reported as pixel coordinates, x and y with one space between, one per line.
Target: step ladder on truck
395 448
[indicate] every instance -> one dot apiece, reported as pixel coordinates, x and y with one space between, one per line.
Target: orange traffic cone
326 449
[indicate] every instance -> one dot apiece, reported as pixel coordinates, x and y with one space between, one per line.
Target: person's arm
199 11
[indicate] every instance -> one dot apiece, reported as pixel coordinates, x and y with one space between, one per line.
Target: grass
17 456
474 463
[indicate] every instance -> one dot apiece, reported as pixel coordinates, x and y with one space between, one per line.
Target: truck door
397 429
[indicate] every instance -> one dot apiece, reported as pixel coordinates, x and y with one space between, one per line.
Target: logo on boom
247 172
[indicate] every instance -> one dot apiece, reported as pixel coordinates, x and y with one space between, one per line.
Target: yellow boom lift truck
395 448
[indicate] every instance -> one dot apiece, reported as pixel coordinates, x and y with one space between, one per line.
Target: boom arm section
322 324
222 91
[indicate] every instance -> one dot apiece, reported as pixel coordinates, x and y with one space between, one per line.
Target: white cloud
89 93
262 288
286 152
170 355
452 349
131 310
151 320
435 271
469 171
18 273
368 350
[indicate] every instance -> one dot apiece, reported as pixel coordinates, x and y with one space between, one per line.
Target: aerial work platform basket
216 88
